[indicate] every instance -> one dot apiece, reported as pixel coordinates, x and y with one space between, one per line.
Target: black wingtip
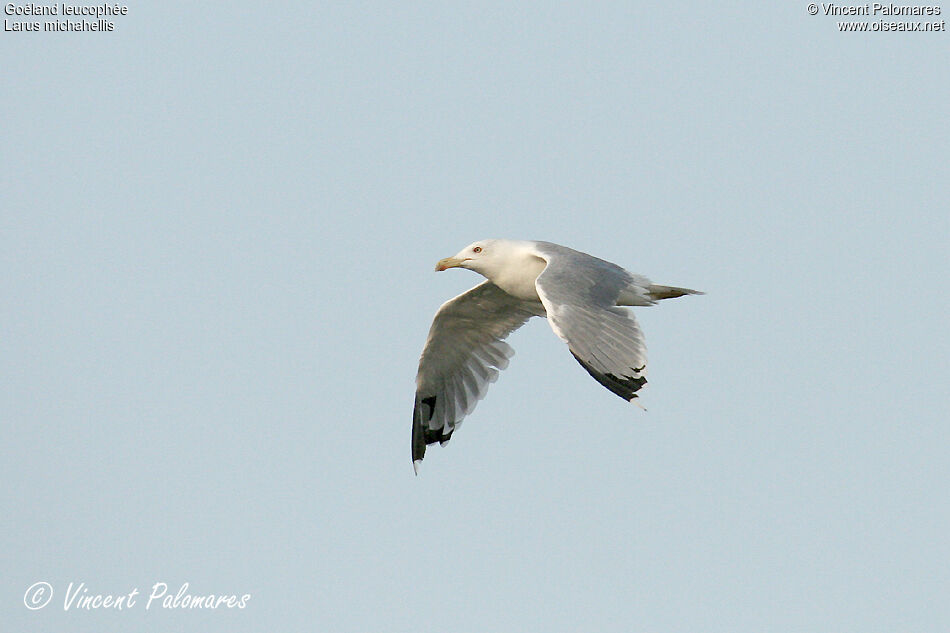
422 435
624 386
421 414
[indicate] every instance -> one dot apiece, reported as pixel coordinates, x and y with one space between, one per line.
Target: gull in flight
579 294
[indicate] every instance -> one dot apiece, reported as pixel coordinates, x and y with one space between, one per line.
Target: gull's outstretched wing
462 356
580 294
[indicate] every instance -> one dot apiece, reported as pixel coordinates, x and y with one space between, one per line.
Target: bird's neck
518 275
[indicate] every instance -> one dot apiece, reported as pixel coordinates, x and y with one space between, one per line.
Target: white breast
518 280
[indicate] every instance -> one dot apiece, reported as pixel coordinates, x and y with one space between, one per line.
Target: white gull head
512 265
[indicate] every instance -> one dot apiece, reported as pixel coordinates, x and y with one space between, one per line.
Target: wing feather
580 294
463 354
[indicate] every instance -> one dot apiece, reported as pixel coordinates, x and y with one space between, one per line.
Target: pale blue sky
219 224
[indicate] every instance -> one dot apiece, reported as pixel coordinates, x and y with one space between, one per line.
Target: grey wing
463 354
580 294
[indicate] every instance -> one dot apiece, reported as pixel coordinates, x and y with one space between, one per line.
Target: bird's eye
477 249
